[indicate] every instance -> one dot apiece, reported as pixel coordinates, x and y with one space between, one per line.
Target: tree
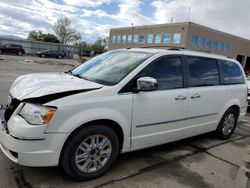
63 30
100 45
40 36
77 39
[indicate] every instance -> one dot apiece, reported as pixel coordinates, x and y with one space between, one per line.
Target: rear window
232 73
202 72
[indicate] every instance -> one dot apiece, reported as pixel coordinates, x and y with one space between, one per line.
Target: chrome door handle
180 97
195 96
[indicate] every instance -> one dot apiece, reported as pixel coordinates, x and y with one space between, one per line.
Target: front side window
150 38
158 38
202 72
141 39
111 67
167 71
232 73
167 38
114 39
129 38
136 38
177 38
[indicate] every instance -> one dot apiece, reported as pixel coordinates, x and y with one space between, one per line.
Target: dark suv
51 53
12 49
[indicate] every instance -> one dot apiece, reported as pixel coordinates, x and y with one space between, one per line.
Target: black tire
42 55
59 57
219 133
69 152
1 51
19 53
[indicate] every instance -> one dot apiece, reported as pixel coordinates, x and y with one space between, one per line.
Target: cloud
93 18
87 3
224 15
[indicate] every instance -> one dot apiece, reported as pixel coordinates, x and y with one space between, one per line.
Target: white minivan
120 101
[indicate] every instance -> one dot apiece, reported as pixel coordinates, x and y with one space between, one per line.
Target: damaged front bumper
27 149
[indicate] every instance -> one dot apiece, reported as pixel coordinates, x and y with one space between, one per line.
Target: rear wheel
59 57
227 124
1 51
19 53
42 55
90 152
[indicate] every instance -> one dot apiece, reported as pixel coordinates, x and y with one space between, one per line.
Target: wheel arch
110 123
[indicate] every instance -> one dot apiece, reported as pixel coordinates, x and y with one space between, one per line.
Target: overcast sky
93 18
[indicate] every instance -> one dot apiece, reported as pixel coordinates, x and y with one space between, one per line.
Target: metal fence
31 47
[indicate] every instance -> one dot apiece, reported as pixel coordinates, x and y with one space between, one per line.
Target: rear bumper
31 152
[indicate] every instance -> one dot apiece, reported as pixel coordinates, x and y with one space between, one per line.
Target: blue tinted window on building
194 39
118 38
150 38
214 44
177 38
208 43
124 37
167 38
158 38
232 73
220 45
226 47
129 38
136 38
114 39
141 39
201 42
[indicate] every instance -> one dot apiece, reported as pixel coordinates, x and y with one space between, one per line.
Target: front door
159 116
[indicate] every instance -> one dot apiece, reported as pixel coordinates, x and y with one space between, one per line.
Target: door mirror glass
147 84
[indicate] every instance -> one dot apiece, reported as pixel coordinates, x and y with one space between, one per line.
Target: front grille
11 108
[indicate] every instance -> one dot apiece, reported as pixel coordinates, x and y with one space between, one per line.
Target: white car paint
129 110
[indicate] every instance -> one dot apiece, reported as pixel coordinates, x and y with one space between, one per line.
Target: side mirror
147 84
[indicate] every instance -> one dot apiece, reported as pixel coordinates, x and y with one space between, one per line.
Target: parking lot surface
201 161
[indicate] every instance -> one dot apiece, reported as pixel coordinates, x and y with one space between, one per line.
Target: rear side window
232 73
167 71
202 72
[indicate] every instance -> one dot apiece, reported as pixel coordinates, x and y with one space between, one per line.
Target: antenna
171 20
189 13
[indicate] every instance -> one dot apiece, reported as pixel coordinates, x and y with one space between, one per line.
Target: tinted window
158 38
166 38
150 38
136 38
129 38
202 72
141 39
201 42
232 73
177 38
194 39
167 71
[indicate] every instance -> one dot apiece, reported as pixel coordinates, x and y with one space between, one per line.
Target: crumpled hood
41 84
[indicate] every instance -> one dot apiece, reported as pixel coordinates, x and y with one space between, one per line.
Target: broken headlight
37 114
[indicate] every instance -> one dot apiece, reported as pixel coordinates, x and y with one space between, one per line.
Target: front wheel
90 152
227 124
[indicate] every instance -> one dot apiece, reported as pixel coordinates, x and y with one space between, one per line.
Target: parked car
51 53
12 49
248 93
120 101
